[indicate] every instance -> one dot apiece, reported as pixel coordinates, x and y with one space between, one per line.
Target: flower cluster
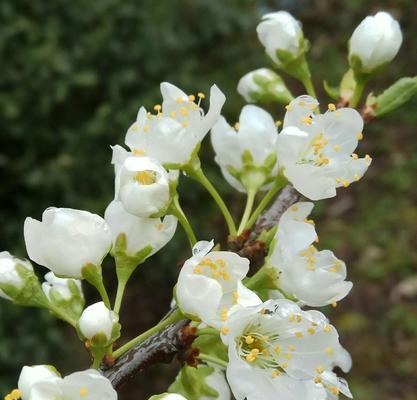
254 338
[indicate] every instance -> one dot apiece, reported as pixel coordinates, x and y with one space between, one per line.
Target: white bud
29 376
375 41
8 272
280 31
60 286
142 185
139 232
66 240
97 319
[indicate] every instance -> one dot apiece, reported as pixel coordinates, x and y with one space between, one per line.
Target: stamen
331 107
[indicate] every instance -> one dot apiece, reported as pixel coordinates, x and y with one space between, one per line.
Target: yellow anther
159 227
157 107
288 108
294 208
138 152
320 369
307 120
355 156
291 318
331 107
327 329
360 136
145 177
250 358
249 339
216 274
312 107
201 95
311 331
237 126
183 111
298 334
277 349
334 390
313 249
336 147
235 297
178 100
317 379
299 318
301 103
275 373
221 263
338 180
134 127
173 114
146 128
329 350
197 270
255 351
184 124
224 314
265 352
278 123
310 267
317 239
368 157
284 365
149 115
309 221
84 392
191 97
345 183
225 330
333 269
225 275
357 177
334 304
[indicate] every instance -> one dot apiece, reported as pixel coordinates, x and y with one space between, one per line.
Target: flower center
15 394
214 269
145 177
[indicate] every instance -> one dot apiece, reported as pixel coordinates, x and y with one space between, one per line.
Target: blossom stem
174 317
308 84
103 293
212 359
279 183
250 198
357 93
178 212
199 176
121 286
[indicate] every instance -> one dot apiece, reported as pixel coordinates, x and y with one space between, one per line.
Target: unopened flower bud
375 42
29 376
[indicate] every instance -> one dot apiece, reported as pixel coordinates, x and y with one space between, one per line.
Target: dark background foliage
74 73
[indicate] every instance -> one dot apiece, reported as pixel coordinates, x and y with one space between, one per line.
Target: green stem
96 363
207 331
357 93
121 286
248 209
276 187
178 212
308 84
174 317
199 176
212 359
103 293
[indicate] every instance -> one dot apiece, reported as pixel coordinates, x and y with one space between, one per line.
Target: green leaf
332 91
396 95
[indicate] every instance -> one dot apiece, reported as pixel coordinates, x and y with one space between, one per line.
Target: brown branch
175 339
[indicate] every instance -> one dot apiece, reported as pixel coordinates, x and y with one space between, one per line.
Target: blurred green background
72 77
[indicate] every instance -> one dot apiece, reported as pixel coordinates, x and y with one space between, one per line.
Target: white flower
217 381
333 384
209 284
375 41
139 232
66 240
97 319
141 184
29 376
9 275
315 278
280 31
173 134
316 151
276 350
43 383
254 137
261 85
61 286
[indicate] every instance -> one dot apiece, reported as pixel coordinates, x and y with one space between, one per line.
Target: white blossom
254 137
280 31
316 151
29 376
277 350
139 232
66 240
97 319
141 183
61 286
174 133
9 274
315 278
375 41
209 284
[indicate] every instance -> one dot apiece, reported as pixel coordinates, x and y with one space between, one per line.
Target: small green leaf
396 95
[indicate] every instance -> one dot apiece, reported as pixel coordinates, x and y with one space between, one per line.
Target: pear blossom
315 278
141 184
281 32
316 151
44 383
217 381
261 85
210 283
247 152
65 288
375 41
9 274
66 240
139 232
174 133
98 319
277 350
